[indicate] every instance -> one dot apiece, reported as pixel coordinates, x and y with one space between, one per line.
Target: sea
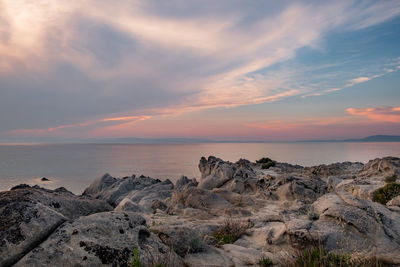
75 166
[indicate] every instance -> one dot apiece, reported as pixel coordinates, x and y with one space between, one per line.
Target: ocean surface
75 166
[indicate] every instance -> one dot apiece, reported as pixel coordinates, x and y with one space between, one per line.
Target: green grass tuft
136 259
264 262
386 193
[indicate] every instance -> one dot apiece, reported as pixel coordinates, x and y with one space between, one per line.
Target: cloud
383 113
71 62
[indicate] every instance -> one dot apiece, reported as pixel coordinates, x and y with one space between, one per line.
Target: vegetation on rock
391 179
231 231
317 256
264 262
386 193
266 163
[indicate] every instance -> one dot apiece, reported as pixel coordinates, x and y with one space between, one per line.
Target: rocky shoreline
237 214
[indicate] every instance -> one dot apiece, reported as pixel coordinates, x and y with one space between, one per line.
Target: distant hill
134 140
372 138
377 138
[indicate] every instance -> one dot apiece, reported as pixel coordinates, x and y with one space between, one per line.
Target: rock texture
28 215
107 238
275 212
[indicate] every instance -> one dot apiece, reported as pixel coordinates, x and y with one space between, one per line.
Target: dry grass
231 231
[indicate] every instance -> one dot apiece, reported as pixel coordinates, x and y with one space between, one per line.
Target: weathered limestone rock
198 198
114 190
145 197
304 189
342 170
29 214
347 223
102 239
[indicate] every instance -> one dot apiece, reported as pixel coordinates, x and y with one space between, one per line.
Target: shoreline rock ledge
237 214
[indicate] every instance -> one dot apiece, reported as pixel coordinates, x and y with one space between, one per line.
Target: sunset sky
222 70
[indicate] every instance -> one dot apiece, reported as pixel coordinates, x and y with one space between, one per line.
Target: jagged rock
342 170
373 176
388 166
158 205
145 197
114 190
29 214
128 205
237 177
185 181
102 239
305 189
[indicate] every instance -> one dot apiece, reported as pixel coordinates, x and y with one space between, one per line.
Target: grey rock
102 239
28 215
128 205
145 197
185 181
182 239
298 188
356 225
198 198
114 190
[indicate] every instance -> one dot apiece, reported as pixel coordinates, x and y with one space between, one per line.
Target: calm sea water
74 166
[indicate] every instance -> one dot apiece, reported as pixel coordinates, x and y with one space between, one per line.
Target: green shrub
264 160
386 193
231 231
391 179
136 259
268 165
312 215
264 262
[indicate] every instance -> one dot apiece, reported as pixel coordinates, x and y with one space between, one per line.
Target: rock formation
234 215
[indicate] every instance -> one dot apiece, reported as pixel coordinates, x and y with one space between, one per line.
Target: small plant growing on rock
266 163
317 256
136 259
264 262
391 179
312 215
231 231
386 193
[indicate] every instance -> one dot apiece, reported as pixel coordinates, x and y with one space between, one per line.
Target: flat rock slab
102 239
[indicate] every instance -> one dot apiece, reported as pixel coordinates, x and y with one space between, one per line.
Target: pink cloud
383 113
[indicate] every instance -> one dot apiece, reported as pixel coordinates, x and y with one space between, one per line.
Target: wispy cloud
147 62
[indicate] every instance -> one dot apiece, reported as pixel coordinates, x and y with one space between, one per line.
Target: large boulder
237 177
349 224
28 215
115 190
183 240
102 239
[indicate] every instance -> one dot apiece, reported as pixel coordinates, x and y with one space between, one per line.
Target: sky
220 70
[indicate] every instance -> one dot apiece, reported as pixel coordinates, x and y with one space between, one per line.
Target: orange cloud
383 113
117 120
